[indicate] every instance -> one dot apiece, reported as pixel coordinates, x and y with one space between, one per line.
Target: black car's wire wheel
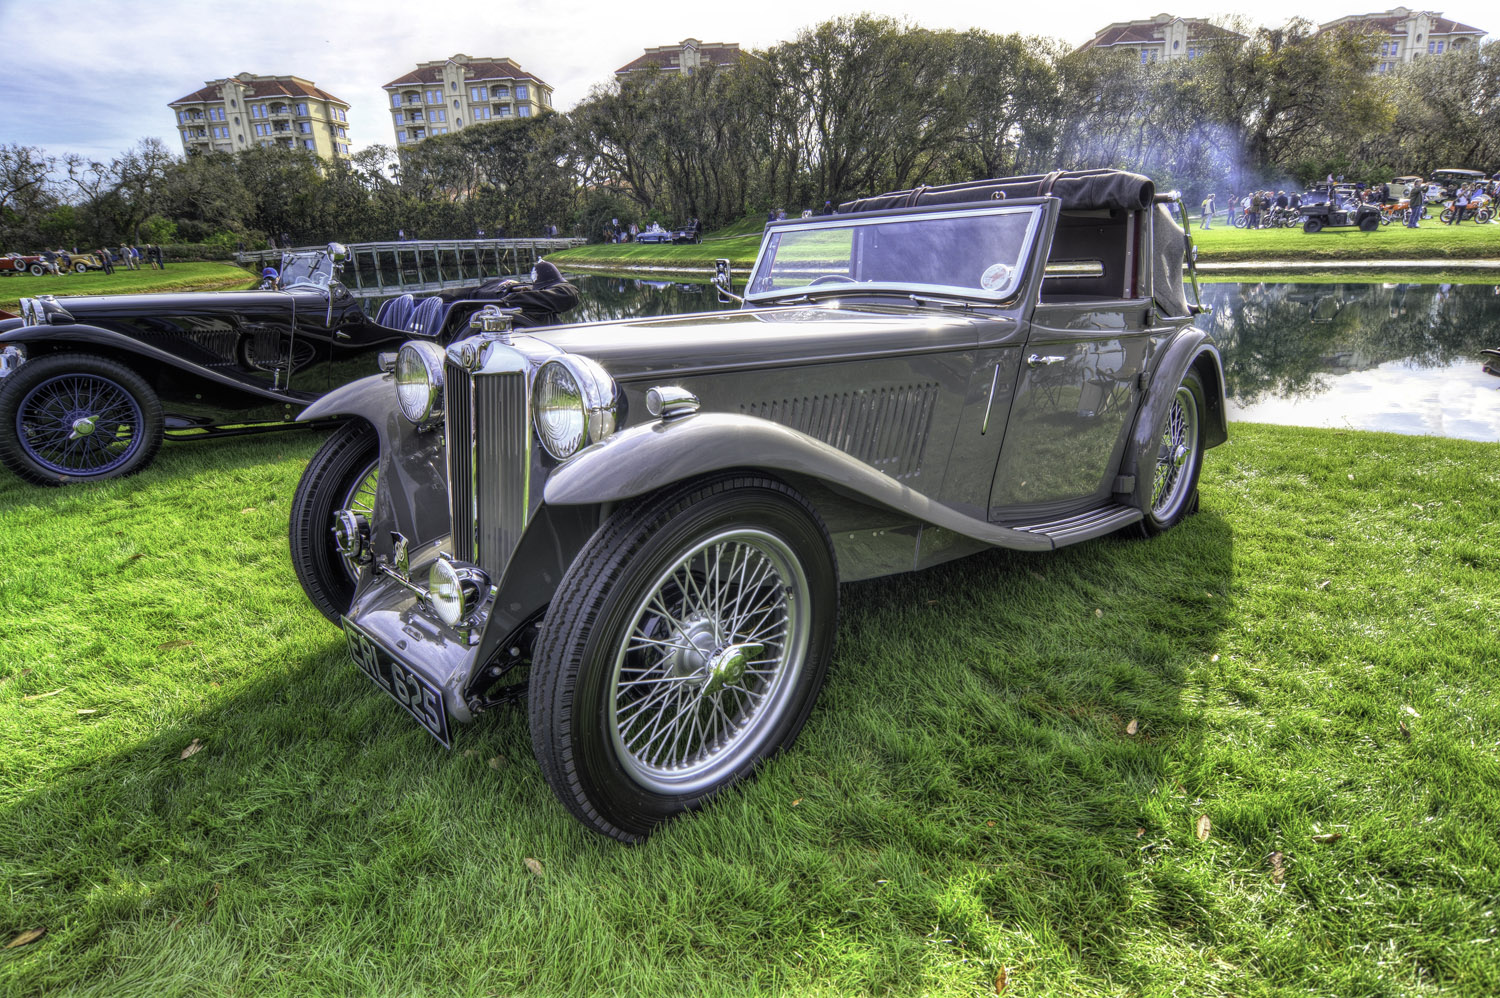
1179 457
685 645
77 418
341 475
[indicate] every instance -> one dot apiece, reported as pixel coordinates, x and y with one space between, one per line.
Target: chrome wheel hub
83 426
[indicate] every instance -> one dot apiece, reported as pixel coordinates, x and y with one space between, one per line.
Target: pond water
1403 358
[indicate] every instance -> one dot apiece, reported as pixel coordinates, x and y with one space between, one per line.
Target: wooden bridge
417 266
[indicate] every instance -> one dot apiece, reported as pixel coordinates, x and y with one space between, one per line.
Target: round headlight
419 381
561 415
453 592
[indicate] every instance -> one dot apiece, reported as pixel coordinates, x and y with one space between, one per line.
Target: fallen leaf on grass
1098 612
1278 872
26 938
1002 979
213 898
43 696
534 865
796 802
1132 727
1204 827
1214 657
176 923
1328 837
83 712
468 753
1140 833
173 644
1324 583
1410 710
251 509
496 761
1405 731
192 749
989 824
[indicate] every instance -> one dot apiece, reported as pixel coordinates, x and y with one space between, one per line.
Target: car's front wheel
341 475
73 417
1312 225
37 270
686 644
1179 458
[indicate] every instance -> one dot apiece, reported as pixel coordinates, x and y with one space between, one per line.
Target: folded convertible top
1078 190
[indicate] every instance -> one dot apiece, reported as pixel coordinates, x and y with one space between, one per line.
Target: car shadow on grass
1000 739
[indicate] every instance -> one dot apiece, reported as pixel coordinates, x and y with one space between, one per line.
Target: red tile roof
283 86
1147 33
1387 23
475 69
715 53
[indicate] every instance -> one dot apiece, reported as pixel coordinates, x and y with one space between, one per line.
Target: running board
1082 526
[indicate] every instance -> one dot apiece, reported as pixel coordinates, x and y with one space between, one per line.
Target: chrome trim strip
994 381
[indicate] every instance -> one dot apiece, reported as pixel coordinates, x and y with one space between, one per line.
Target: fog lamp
454 592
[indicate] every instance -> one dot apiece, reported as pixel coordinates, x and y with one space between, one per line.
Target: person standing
1208 211
1418 203
109 266
161 258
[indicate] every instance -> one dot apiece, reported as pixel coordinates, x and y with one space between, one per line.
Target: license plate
419 697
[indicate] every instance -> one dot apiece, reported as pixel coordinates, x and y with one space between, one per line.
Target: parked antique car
1322 208
90 386
18 263
652 516
1450 180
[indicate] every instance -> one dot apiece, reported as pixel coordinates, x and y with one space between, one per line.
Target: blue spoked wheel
74 418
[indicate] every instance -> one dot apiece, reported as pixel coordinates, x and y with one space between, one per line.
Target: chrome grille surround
488 438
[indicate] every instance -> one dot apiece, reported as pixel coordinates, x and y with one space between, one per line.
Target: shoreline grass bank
204 276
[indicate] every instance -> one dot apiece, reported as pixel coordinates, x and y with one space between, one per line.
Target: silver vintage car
649 519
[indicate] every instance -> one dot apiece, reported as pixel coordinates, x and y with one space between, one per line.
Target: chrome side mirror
724 282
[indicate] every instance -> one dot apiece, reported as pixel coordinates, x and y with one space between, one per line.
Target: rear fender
1192 349
649 457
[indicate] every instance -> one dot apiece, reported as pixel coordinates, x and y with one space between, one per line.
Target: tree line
851 106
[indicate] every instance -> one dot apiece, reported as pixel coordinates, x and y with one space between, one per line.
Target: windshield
976 254
314 270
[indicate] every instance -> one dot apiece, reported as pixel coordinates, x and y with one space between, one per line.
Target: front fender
78 334
648 457
372 398
1193 347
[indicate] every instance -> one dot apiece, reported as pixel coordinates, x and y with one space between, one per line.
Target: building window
521 91
452 84
400 136
414 116
438 114
524 110
501 93
505 111
343 133
395 100
455 105
302 109
309 144
476 93
434 96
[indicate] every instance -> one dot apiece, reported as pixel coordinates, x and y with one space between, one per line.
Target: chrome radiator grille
489 465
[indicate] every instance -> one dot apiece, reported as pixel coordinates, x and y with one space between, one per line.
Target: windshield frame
322 263
1036 208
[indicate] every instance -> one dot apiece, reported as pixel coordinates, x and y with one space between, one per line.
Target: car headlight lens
561 414
453 592
419 382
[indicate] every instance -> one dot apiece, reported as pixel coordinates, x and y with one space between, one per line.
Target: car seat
395 313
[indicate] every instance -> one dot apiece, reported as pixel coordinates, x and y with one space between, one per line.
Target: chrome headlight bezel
419 382
574 403
455 592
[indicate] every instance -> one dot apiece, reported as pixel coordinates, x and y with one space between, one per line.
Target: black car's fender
648 457
1193 347
117 346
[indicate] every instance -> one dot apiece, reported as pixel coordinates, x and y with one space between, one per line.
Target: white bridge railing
376 270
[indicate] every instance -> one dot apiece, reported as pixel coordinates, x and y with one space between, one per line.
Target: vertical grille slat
460 430
502 467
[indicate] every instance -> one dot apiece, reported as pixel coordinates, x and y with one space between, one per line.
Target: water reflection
1398 357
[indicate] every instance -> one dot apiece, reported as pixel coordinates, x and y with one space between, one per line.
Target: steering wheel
830 278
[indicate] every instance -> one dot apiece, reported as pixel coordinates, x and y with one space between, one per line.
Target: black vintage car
1322 208
90 386
654 515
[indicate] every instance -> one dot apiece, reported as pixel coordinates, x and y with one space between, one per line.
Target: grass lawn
1257 756
177 277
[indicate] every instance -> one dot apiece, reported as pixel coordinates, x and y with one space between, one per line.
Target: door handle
1037 360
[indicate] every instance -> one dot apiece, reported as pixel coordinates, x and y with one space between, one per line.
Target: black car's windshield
307 270
976 254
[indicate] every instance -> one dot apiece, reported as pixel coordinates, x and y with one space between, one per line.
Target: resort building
450 93
687 56
1162 37
1404 34
246 110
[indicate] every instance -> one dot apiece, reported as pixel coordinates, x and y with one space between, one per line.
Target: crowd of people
105 258
1412 201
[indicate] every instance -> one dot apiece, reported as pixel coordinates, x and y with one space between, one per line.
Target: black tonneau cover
1077 189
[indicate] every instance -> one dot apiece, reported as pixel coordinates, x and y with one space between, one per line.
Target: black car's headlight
573 402
419 382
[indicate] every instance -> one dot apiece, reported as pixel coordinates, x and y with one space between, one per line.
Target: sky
95 76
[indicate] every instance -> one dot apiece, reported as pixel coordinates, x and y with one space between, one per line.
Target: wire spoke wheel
711 656
79 424
1176 456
